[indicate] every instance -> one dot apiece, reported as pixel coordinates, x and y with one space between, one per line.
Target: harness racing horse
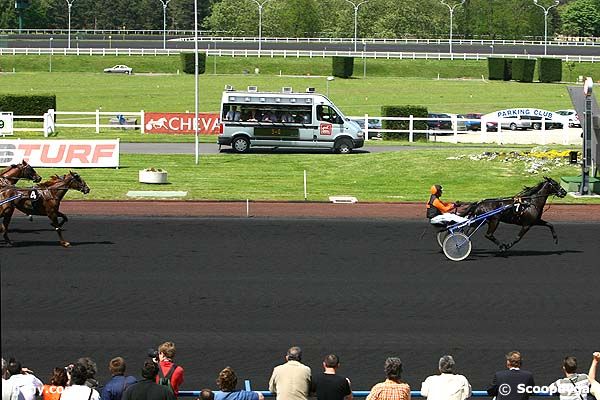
527 212
43 199
11 174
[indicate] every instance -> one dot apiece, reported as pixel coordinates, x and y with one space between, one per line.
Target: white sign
6 123
61 153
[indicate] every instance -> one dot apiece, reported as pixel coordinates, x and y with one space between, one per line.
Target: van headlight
360 134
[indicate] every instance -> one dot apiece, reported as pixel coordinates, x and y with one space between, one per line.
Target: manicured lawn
388 177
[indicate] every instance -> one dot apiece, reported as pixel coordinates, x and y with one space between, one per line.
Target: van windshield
328 114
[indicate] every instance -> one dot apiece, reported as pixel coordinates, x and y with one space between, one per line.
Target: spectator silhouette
291 381
9 390
79 390
166 354
573 386
447 385
393 388
56 384
114 388
328 385
509 380
147 388
227 381
29 385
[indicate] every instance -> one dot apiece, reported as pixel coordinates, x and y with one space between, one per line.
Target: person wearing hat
440 212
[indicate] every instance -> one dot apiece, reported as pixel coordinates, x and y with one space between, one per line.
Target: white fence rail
459 133
287 54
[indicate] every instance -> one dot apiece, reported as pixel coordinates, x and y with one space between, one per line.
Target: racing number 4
33 195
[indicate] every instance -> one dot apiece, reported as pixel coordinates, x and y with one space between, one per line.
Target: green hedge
27 104
499 69
523 69
402 111
550 70
342 67
187 63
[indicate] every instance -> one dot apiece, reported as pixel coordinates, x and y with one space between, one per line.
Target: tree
291 18
581 18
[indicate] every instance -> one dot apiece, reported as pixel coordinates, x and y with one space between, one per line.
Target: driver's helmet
437 190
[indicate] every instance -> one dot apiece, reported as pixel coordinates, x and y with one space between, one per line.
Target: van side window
328 114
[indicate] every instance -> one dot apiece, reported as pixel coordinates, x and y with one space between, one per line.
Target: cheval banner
61 153
181 123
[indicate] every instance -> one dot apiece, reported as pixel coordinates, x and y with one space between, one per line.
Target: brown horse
527 211
11 174
43 199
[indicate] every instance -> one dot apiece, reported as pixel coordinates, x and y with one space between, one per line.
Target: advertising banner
61 153
181 123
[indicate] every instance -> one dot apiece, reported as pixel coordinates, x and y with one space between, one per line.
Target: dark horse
11 174
527 211
43 199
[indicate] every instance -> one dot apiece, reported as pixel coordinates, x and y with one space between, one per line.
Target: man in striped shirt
573 386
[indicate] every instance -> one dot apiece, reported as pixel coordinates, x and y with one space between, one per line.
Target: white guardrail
458 134
287 53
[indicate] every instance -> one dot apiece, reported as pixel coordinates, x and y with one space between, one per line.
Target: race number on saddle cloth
438 211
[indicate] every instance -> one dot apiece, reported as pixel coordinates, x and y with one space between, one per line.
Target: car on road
571 116
119 69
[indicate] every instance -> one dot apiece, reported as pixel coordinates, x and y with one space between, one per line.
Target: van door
330 123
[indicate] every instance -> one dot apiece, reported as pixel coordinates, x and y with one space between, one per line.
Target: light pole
451 8
356 5
70 4
260 7
165 3
51 39
196 95
329 78
545 22
109 41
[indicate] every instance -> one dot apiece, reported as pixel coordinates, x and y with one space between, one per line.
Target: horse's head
77 183
28 172
554 187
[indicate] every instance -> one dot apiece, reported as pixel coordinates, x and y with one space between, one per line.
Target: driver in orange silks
440 212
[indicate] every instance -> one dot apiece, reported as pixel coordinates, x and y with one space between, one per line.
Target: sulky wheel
441 236
457 246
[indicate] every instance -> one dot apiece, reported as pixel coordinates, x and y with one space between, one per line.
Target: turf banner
61 153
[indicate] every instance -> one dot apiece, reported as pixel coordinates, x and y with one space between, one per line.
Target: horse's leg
522 233
541 222
57 226
7 214
492 226
63 216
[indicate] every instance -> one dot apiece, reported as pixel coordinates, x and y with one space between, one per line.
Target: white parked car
571 116
119 69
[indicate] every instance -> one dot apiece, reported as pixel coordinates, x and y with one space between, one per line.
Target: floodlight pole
70 4
260 8
451 8
50 66
545 22
356 5
165 4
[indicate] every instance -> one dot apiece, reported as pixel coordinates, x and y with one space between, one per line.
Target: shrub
187 63
550 70
523 70
402 111
27 104
342 67
499 68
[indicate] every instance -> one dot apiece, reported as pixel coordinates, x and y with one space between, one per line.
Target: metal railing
287 54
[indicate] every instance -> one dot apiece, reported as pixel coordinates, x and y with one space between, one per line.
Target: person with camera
79 390
167 369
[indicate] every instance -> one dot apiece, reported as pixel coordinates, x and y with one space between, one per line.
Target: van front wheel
240 144
343 146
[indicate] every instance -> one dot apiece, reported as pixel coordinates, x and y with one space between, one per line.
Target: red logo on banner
181 123
326 129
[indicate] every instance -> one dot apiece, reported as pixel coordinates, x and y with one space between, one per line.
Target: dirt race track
365 281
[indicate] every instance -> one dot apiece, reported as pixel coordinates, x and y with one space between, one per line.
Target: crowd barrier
355 393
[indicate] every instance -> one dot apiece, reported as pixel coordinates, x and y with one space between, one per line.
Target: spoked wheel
441 236
457 246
